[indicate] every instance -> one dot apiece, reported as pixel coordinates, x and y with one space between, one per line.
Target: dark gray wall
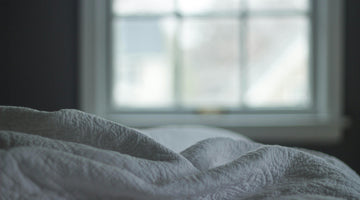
350 148
39 53
39 62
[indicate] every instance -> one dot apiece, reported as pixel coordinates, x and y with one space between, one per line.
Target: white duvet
73 155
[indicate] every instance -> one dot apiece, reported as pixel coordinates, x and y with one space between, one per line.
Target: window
267 68
221 55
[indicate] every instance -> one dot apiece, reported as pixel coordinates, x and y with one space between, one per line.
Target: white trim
225 120
294 128
323 126
93 56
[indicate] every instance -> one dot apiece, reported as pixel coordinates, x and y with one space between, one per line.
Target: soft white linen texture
70 154
178 138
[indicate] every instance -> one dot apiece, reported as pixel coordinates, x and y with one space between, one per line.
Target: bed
69 154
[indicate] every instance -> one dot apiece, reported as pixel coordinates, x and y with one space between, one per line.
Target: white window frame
324 125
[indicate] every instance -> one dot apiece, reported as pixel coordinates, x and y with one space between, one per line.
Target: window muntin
227 55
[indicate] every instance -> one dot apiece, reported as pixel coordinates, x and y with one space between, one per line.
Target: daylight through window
233 54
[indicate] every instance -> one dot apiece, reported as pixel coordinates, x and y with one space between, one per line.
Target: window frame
324 124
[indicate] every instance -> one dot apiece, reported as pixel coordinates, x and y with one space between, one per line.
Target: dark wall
39 62
351 145
38 66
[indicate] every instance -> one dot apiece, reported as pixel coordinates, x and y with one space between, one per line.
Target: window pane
277 71
201 6
210 75
143 73
277 4
142 6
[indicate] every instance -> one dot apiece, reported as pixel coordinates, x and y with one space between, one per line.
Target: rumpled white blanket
70 154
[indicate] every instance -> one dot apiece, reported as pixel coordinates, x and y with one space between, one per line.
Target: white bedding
178 138
69 154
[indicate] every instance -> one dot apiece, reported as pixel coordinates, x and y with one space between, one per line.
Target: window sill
280 128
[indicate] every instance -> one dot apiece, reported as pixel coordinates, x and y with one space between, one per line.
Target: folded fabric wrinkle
69 154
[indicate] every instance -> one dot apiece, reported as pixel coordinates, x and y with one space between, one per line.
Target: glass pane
142 6
277 4
210 74
201 6
277 72
143 73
